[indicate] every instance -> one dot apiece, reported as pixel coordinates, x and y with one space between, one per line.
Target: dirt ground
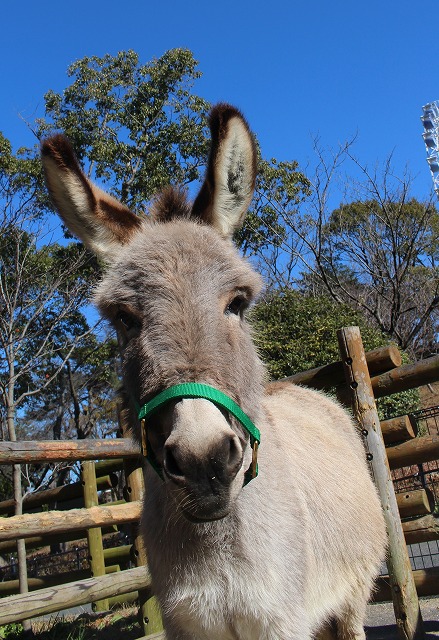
380 621
429 394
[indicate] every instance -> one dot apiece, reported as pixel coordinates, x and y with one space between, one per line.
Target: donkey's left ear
93 216
231 172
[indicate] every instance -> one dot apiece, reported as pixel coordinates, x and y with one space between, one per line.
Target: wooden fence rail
419 530
30 451
47 539
12 587
419 502
399 429
399 378
414 451
426 582
30 525
407 376
331 375
73 594
422 529
388 376
63 493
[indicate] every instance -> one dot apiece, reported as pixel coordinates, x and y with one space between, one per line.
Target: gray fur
300 544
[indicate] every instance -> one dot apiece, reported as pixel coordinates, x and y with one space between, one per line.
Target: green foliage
139 126
11 631
21 182
6 487
295 332
382 256
280 187
399 403
404 219
58 627
23 168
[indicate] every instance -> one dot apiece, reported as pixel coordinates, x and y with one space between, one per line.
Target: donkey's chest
216 608
217 603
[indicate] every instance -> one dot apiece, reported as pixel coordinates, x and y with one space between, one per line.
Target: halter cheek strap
198 390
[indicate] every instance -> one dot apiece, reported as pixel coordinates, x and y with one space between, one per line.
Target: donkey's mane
170 204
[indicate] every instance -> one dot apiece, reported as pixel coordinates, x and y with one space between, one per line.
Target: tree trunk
18 494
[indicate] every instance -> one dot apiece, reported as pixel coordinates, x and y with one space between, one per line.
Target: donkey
238 549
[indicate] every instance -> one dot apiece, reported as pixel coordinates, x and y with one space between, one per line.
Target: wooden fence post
149 612
404 595
94 536
151 619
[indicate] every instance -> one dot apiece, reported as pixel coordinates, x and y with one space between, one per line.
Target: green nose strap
198 390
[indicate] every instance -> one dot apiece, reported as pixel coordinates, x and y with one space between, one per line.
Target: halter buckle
144 438
255 458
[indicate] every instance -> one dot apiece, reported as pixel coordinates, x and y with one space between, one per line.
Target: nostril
171 465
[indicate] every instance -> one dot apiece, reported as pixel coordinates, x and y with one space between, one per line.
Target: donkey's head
176 290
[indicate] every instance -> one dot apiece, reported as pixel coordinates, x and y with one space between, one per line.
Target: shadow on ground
380 620
389 632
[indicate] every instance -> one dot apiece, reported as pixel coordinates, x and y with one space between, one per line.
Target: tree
136 127
41 294
377 252
280 188
389 250
81 401
42 289
296 332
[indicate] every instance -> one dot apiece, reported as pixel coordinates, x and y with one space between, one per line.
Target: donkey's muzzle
220 465
206 480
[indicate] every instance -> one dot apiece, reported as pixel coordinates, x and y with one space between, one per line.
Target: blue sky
296 70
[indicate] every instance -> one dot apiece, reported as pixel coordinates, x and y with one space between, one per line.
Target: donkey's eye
237 306
128 322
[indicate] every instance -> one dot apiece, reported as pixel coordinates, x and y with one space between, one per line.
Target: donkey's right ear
93 216
231 172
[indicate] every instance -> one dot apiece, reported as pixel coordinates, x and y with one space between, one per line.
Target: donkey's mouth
198 508
200 518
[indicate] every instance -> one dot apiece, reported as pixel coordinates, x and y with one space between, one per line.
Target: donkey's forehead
169 255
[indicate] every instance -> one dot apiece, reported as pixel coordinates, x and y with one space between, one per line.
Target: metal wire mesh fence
425 475
424 555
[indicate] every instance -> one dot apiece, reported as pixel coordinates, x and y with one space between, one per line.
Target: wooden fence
388 376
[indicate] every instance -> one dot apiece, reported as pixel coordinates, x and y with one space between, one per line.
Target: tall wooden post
405 597
94 535
151 619
149 612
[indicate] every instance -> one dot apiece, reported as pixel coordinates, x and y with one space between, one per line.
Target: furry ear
95 217
231 172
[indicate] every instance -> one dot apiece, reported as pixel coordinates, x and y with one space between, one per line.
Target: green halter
198 390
